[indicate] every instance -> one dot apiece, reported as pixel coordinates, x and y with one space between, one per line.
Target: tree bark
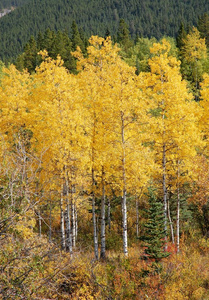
68 221
109 214
73 217
178 214
73 224
76 223
165 195
94 218
39 223
62 223
69 235
102 253
50 220
137 217
93 190
124 200
170 221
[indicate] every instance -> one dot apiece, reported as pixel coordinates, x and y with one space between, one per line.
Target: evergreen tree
107 33
181 36
30 55
76 38
59 45
49 37
123 36
40 41
154 229
203 27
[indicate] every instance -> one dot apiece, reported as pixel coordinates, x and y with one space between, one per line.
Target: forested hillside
104 173
12 3
145 18
104 150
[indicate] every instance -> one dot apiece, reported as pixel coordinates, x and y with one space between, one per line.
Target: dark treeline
56 44
134 51
144 18
14 3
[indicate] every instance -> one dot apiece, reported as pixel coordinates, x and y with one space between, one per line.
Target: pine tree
154 229
123 37
181 36
76 38
30 55
203 27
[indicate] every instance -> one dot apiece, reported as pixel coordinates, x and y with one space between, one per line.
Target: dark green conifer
154 232
203 27
59 47
181 36
107 33
49 37
30 55
123 36
76 38
40 41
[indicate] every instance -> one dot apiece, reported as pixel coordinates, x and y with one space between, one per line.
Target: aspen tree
131 132
173 114
117 110
91 95
58 127
194 53
13 101
204 119
97 108
20 164
200 166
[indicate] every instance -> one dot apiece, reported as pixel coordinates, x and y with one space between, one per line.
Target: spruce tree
203 27
154 232
123 36
181 36
30 55
76 38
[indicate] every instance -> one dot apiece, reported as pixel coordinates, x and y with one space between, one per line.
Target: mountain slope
12 3
145 17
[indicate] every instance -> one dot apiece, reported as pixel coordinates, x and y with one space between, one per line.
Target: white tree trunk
73 212
76 223
73 224
124 205
178 215
165 194
68 220
102 253
94 218
137 217
109 214
62 222
39 223
177 222
69 234
125 233
171 223
50 221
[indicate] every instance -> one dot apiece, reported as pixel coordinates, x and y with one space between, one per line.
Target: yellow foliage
194 47
188 276
25 225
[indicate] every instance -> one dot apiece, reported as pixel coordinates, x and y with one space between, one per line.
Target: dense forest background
12 3
144 18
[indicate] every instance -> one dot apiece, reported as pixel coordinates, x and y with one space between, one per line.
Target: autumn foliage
77 155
